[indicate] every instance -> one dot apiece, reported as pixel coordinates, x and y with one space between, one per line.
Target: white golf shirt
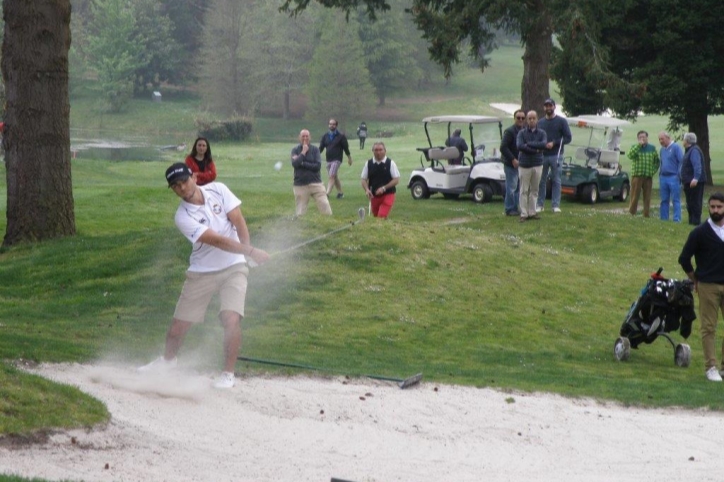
193 221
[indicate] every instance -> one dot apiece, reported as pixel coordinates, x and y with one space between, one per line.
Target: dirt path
309 429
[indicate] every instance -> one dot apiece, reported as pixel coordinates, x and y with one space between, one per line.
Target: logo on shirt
216 208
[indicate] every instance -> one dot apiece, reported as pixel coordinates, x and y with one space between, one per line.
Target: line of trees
247 56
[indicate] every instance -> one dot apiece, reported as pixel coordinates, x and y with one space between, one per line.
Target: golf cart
482 175
594 172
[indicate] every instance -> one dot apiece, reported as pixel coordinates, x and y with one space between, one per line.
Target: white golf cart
482 176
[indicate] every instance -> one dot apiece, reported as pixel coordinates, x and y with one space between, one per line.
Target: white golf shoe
160 364
225 380
712 374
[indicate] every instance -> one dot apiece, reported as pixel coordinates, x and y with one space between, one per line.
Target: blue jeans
670 190
512 189
552 164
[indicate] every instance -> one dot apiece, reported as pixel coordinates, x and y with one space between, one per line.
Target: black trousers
694 202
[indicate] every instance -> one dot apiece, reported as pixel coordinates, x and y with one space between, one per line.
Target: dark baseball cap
549 101
177 172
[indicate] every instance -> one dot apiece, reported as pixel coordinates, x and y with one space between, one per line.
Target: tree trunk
536 60
699 125
37 120
286 112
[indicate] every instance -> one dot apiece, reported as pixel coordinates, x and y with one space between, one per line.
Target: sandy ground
311 429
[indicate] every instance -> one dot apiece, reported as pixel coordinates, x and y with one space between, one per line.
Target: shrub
237 129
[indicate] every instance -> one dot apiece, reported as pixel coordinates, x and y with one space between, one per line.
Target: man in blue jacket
530 142
671 156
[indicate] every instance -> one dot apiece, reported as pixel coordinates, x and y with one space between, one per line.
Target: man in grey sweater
307 162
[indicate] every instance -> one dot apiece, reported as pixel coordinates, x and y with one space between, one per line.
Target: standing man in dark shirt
336 144
307 163
530 142
693 177
706 245
457 141
558 134
509 151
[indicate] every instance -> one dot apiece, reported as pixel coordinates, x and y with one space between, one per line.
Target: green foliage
237 129
226 86
278 47
164 56
339 82
388 52
115 50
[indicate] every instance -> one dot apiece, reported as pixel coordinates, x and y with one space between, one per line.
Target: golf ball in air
278 166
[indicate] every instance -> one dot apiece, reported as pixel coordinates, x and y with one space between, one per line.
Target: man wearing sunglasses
509 152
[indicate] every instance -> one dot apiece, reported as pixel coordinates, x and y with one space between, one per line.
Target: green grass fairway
450 288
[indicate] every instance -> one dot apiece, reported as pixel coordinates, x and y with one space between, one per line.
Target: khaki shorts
199 288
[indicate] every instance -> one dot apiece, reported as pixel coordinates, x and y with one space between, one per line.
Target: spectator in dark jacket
530 142
456 141
706 245
336 144
307 162
509 152
693 177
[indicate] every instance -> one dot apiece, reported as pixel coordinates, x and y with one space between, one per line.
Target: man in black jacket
706 245
336 144
509 152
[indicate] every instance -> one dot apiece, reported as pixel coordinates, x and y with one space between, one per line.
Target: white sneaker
160 364
539 209
225 380
712 375
556 210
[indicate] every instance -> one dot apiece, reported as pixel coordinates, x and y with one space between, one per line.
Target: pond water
129 149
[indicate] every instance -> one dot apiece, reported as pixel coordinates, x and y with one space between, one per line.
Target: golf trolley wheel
419 190
622 348
682 355
482 193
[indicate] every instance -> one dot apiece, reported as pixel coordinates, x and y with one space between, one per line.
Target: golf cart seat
608 163
447 153
589 155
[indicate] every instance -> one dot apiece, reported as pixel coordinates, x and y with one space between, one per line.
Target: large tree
37 131
388 52
115 50
448 25
648 59
339 82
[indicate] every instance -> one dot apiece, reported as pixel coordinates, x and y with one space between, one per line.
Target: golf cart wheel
625 191
622 348
419 190
682 355
482 193
589 195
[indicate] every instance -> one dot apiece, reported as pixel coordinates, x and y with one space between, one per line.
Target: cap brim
179 178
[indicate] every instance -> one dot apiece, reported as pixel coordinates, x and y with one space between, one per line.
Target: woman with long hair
201 163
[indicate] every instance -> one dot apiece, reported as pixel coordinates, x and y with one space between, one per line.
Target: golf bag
664 305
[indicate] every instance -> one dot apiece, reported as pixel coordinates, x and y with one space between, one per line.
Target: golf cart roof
466 119
596 121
